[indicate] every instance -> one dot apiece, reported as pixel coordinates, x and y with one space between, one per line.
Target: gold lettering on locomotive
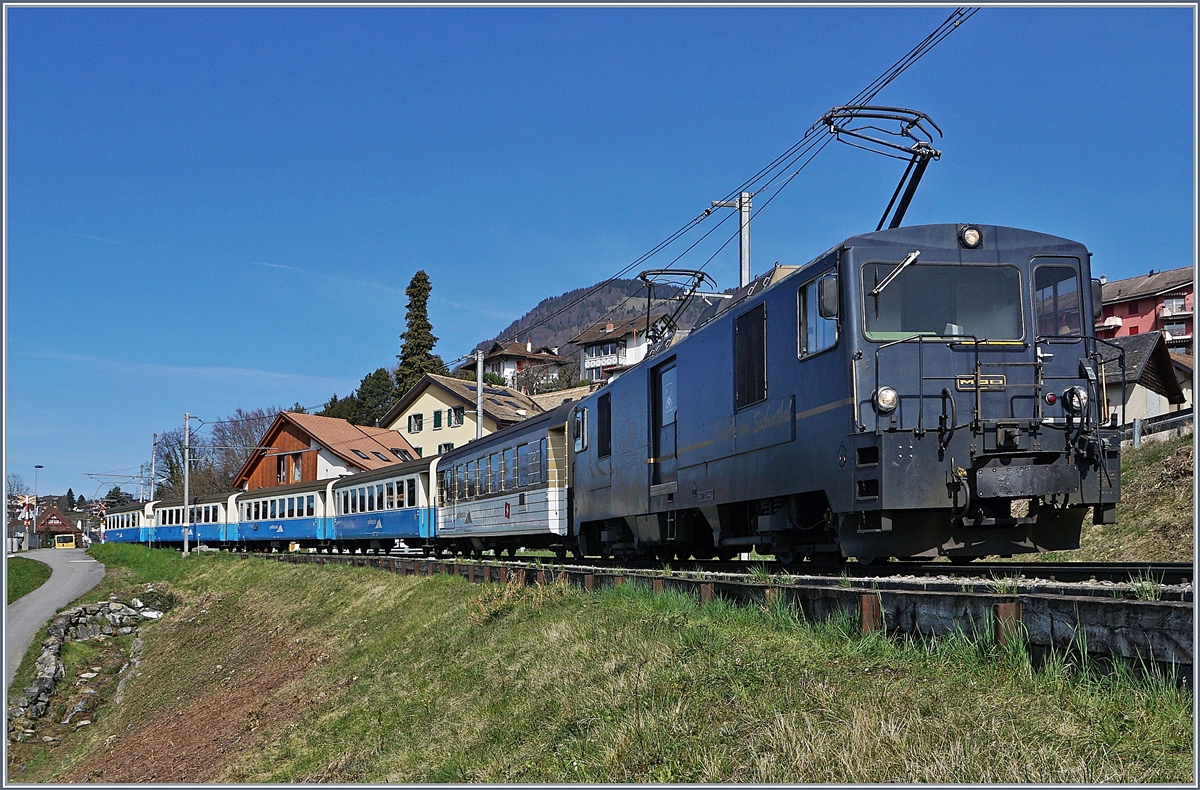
989 383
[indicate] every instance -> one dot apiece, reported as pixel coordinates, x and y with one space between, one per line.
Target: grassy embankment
25 576
278 673
1154 516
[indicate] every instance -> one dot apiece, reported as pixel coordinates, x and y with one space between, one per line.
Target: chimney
529 345
554 351
608 327
1103 279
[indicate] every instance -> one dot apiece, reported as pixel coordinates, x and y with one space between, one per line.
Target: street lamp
36 508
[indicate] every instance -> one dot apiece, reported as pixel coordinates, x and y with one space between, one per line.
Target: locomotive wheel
726 554
786 558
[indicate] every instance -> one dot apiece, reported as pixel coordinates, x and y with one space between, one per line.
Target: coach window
508 461
1056 300
411 484
391 495
311 509
497 474
522 462
604 426
750 357
816 333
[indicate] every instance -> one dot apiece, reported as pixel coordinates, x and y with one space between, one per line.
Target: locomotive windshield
943 300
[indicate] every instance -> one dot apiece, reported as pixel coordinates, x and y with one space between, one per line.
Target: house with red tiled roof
1159 301
297 448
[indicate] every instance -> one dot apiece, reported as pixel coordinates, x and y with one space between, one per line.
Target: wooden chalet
299 448
52 522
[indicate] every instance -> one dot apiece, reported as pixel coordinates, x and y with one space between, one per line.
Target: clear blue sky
217 208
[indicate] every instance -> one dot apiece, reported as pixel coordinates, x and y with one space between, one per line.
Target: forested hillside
616 300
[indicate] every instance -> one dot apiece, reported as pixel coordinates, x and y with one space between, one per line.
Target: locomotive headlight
1076 400
970 237
886 399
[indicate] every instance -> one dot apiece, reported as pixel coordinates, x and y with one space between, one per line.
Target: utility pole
153 451
743 206
187 511
478 394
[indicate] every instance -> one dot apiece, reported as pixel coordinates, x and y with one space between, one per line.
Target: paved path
73 574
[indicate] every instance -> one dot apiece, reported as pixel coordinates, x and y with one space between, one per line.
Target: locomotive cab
981 422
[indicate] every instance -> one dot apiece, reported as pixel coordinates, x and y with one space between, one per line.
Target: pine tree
342 408
375 395
70 499
416 352
116 497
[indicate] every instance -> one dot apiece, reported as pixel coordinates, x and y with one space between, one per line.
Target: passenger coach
508 490
381 508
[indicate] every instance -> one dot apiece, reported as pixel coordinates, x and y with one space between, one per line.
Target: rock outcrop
90 621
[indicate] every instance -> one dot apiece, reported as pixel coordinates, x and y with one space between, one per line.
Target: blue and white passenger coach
278 516
380 508
129 523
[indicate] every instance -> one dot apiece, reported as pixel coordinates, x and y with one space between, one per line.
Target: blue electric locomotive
913 392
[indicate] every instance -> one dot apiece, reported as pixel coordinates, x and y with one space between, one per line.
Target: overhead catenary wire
782 163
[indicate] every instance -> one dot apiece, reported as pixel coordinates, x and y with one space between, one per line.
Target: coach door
663 467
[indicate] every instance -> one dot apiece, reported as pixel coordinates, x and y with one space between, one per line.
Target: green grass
25 576
364 676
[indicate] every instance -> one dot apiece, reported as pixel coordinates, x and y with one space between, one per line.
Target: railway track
1162 573
1145 623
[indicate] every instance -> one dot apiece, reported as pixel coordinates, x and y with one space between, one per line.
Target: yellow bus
64 541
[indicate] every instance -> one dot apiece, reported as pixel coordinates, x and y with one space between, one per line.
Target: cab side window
816 334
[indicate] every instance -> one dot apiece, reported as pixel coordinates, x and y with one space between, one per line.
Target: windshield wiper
912 256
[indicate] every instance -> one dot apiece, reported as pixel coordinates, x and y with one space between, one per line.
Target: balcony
604 361
1112 322
1174 312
